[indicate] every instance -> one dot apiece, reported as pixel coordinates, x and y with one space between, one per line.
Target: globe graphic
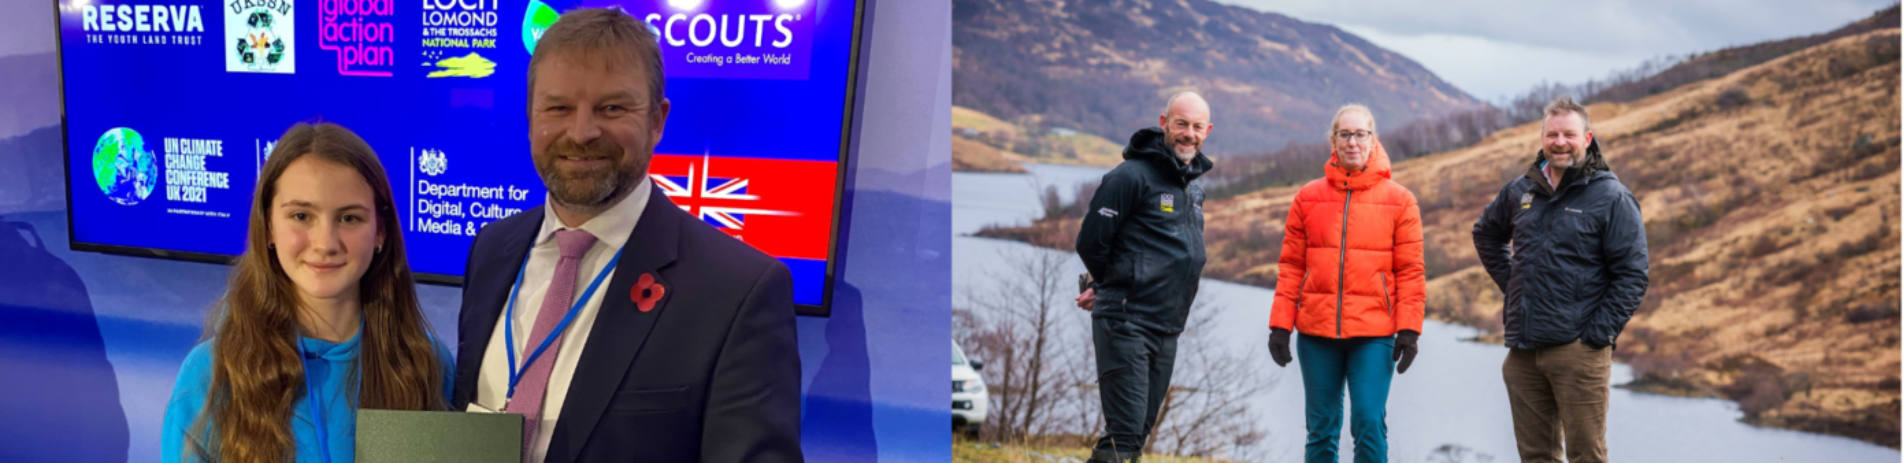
125 170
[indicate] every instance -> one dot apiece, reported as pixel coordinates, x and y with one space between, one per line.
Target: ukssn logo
142 24
360 34
260 33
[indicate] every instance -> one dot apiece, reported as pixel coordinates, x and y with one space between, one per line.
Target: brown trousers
1559 394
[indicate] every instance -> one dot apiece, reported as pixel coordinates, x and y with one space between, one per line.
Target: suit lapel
489 289
620 327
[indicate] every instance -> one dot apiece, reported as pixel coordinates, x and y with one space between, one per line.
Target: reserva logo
142 24
360 34
260 33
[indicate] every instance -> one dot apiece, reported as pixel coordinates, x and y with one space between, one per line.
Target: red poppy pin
646 292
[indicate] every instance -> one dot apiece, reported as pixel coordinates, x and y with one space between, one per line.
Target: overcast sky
1498 48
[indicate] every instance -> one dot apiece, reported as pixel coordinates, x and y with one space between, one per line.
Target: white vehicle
970 401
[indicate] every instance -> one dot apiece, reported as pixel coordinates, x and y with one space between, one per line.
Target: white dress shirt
1549 176
611 230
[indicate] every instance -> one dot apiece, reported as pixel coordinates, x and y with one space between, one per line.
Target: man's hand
1278 347
1087 299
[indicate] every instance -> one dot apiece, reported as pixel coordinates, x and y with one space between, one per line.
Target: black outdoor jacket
1577 267
1142 238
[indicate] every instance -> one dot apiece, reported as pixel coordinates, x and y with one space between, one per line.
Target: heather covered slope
1770 197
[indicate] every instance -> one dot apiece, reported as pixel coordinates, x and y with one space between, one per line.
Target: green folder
448 437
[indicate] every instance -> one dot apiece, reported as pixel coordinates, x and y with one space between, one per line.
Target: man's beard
1185 153
1571 159
588 191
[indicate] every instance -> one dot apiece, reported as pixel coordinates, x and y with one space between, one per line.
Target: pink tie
555 304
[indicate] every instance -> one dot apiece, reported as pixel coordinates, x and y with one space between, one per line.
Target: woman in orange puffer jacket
1353 285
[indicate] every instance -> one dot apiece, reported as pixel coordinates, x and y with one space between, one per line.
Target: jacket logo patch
1526 200
1169 202
1107 212
1575 211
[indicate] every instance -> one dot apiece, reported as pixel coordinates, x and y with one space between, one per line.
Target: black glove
1278 347
1404 348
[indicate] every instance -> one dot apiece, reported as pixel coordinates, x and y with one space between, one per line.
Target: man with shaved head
1142 241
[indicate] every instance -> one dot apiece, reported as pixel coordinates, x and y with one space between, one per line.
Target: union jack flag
694 190
783 207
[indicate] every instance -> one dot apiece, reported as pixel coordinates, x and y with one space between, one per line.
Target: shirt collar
612 227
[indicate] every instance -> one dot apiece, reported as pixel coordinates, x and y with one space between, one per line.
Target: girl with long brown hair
321 317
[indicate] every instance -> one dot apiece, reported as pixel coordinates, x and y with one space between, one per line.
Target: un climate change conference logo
125 170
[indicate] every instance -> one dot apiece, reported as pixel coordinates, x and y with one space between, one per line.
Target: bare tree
1206 412
1054 206
1040 366
1020 323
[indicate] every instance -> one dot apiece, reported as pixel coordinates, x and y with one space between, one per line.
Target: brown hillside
981 143
1770 197
972 156
1728 60
1103 67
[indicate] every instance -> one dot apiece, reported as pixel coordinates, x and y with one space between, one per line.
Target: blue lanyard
310 391
508 330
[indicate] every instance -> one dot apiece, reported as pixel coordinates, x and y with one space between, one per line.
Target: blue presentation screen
171 107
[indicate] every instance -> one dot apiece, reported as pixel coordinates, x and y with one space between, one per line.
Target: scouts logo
1169 202
1526 200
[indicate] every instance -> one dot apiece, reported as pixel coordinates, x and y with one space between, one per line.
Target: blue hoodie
328 364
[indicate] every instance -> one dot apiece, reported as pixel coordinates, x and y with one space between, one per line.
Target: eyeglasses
1355 135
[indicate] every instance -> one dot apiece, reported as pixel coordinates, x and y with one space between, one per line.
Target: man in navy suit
622 328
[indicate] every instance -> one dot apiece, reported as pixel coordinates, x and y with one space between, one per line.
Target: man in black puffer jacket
1142 241
1575 273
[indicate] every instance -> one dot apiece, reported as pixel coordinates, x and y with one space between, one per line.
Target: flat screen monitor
170 108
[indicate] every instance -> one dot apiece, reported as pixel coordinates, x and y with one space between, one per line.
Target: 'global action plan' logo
361 35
